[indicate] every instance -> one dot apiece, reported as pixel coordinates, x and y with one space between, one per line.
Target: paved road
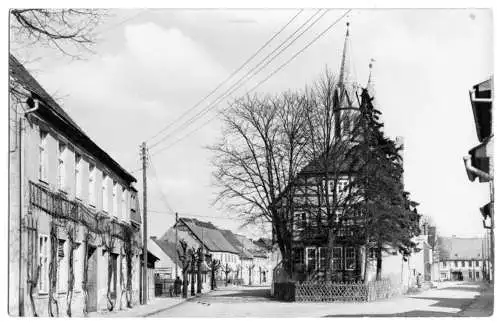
451 299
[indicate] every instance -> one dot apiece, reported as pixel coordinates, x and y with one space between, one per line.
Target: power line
250 74
230 76
162 194
262 81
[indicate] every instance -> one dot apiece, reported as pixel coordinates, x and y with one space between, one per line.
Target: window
62 268
444 264
463 263
133 201
123 205
470 275
298 256
61 170
104 190
92 184
470 263
78 176
350 258
300 219
456 263
112 275
43 256
477 263
42 171
77 266
477 275
311 258
115 199
337 258
322 258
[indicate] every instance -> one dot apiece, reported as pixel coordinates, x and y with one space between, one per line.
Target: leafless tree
184 255
66 30
259 154
267 141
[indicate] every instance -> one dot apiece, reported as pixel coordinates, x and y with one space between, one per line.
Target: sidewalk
155 306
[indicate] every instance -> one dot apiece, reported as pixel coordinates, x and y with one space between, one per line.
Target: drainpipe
469 167
33 108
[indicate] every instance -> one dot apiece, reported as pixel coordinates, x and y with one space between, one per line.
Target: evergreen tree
388 221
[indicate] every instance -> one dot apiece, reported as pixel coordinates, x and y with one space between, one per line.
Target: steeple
344 74
370 85
346 87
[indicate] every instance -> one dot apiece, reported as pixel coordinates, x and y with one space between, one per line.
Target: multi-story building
463 259
74 224
479 161
199 234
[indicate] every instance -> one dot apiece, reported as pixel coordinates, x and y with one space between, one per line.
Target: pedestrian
419 280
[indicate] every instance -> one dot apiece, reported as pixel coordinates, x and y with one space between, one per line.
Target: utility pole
176 258
144 226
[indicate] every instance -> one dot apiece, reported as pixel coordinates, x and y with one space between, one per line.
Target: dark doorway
457 276
92 279
112 275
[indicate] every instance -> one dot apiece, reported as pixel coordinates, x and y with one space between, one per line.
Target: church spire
344 75
370 85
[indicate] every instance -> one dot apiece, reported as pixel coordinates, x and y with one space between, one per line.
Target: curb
149 314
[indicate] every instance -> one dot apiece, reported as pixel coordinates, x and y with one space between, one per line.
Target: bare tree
66 30
184 255
260 153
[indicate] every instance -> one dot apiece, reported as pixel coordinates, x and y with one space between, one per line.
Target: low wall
331 292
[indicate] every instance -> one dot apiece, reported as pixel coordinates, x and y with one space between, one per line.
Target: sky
151 66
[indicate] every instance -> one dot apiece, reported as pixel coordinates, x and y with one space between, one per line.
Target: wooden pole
144 228
176 258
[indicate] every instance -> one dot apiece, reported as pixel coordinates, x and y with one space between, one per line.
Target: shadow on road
446 302
413 313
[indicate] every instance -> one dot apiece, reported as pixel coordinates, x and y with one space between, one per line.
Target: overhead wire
262 81
230 76
250 74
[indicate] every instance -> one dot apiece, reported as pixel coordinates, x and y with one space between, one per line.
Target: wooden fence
330 292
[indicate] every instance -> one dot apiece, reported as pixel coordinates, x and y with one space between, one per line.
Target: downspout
469 167
20 148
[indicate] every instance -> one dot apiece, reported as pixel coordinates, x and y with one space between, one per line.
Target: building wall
469 273
30 172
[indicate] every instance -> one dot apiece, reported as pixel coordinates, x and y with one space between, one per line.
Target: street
449 300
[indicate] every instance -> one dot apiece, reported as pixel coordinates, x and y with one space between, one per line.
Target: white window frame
104 192
42 151
346 257
62 266
307 256
77 267
78 175
114 201
123 206
92 176
44 260
61 165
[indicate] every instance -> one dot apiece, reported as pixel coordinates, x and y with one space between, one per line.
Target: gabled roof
455 248
168 248
232 238
209 235
50 110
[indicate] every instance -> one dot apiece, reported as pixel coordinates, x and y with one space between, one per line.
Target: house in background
61 178
463 259
198 234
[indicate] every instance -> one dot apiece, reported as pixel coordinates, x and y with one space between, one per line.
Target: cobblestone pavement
448 300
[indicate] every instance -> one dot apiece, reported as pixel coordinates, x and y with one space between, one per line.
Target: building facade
74 224
463 259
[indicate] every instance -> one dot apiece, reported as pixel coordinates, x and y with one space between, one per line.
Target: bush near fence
331 292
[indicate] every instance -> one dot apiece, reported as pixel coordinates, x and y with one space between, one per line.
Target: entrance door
92 279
